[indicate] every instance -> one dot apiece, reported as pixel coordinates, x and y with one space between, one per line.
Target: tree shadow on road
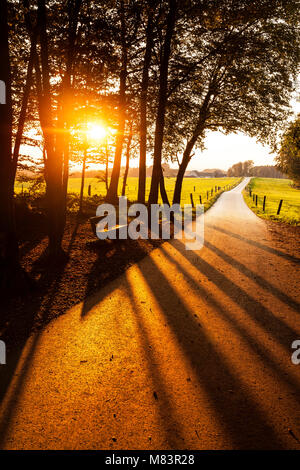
282 332
124 252
259 245
242 419
21 352
241 330
255 277
171 427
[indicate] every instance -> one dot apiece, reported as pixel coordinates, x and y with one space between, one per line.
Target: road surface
186 350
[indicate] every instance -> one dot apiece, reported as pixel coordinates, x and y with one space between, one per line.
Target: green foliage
246 54
288 158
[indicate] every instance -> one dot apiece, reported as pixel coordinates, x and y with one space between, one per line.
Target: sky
221 151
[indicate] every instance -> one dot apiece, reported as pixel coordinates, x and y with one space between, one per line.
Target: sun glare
96 132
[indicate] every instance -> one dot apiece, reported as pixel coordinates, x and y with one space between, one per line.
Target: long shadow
29 246
79 221
6 380
258 349
52 279
269 249
255 277
165 408
241 418
47 285
95 279
256 311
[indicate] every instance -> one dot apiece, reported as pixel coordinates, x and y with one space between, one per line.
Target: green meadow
274 190
196 186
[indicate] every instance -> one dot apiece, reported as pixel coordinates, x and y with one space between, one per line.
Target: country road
186 350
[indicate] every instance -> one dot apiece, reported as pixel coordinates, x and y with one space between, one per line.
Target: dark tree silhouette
157 177
12 277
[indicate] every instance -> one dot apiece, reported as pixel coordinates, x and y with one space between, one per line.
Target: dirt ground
184 350
90 265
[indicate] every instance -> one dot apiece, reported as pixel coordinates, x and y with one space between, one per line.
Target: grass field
196 186
275 190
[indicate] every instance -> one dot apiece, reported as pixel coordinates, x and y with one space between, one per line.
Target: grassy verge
274 190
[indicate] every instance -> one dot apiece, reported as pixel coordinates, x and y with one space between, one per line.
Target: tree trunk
162 103
54 155
163 191
56 142
127 162
12 277
198 130
143 108
27 88
180 175
112 193
73 13
82 178
106 166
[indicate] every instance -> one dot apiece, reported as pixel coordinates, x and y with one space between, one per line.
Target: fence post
192 200
264 203
194 188
200 197
89 190
279 207
256 200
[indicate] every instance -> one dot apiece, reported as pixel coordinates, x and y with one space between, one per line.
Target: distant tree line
247 168
267 171
241 168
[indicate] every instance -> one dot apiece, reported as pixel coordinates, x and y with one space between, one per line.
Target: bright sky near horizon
221 151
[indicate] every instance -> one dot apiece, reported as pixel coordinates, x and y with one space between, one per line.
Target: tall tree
54 122
27 87
233 88
128 148
112 193
150 7
12 276
157 177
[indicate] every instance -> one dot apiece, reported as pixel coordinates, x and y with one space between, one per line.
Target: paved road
185 350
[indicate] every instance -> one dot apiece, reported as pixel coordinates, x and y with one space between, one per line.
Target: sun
96 132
